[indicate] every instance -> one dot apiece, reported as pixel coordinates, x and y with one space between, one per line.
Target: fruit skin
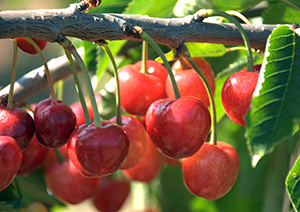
149 167
18 124
111 194
10 160
138 140
138 90
212 171
51 157
73 155
28 48
53 123
237 94
189 82
102 150
32 157
67 184
178 127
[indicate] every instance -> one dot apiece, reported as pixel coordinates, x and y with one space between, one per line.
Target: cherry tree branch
48 24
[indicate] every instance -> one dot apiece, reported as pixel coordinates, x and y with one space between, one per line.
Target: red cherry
188 81
149 167
53 123
138 90
212 171
18 124
102 150
78 111
138 140
67 184
178 127
10 160
111 194
51 157
28 48
172 162
237 93
73 155
32 157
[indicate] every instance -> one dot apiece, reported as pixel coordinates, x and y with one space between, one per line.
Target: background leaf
275 110
293 183
186 7
153 8
285 14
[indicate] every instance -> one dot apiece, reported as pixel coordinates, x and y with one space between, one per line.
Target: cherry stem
47 71
59 156
183 63
211 12
118 98
213 135
87 117
147 38
239 15
144 57
10 101
89 84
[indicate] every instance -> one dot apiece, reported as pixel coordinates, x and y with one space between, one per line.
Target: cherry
212 171
237 93
78 111
111 194
72 152
189 82
138 90
51 157
28 48
172 162
102 150
138 140
34 207
18 124
67 184
54 122
149 167
32 157
10 160
178 127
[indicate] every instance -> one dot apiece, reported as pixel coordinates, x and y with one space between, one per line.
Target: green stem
87 117
212 12
60 89
213 135
59 156
118 98
144 57
89 84
239 15
10 102
147 38
47 71
183 63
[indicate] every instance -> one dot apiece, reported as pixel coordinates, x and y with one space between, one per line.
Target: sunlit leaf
206 49
293 185
186 7
153 8
275 111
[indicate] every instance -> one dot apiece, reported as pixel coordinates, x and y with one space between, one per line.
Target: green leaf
206 49
285 14
153 8
275 110
293 185
4 206
111 6
187 7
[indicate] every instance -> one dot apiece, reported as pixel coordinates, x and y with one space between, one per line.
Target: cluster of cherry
161 129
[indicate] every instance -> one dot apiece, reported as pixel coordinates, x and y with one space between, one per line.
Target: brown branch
48 24
35 81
